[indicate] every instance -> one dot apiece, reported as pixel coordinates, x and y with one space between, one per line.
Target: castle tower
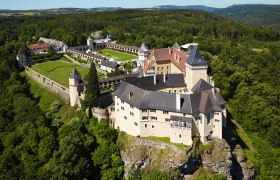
196 68
74 80
89 41
22 61
107 40
143 52
176 46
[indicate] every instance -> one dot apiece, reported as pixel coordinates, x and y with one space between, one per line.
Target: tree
93 90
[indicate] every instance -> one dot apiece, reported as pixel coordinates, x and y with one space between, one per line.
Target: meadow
59 71
118 56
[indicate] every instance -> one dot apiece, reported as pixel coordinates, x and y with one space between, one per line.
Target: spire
195 58
89 38
144 47
74 74
176 45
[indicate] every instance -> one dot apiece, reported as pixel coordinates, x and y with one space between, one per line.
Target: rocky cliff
214 158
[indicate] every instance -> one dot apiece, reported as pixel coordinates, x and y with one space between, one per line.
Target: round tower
89 41
143 52
74 80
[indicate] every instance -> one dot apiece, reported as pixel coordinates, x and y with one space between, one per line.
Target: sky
47 4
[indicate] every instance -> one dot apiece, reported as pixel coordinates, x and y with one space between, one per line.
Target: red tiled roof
168 54
181 61
161 54
38 46
148 64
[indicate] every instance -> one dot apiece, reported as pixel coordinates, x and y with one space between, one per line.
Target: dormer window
130 95
177 58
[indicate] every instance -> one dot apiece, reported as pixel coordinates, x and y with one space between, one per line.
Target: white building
57 45
160 107
178 106
109 66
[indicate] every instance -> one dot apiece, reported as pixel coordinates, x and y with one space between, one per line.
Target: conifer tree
93 90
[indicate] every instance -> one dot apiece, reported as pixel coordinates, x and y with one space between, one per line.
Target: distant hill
197 7
62 10
253 14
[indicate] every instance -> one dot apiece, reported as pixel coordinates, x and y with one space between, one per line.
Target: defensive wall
48 83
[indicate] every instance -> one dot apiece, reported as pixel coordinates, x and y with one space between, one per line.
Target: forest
244 61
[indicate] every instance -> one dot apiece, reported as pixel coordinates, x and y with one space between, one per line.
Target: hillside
244 61
260 15
196 7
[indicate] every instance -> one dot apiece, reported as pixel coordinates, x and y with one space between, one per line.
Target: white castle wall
48 83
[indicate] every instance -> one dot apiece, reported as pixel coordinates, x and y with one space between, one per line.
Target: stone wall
48 83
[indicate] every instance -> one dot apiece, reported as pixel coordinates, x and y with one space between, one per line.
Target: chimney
164 78
169 50
178 102
155 80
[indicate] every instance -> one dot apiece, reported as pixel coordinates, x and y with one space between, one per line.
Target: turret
176 46
196 68
22 61
74 80
143 52
89 41
107 40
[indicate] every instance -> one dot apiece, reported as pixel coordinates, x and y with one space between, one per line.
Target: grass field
59 71
118 56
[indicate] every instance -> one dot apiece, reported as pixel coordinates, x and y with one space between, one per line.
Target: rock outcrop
216 157
147 155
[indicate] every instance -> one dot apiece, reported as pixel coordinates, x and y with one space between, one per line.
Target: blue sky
46 4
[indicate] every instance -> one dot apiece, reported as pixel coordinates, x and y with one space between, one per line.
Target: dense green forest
244 62
254 14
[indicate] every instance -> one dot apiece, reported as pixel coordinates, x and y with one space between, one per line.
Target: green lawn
59 71
118 56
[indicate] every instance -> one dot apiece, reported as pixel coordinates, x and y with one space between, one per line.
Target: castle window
131 106
122 101
122 108
145 118
217 120
145 125
153 118
180 136
125 117
144 110
165 112
135 123
152 110
152 126
189 125
131 113
184 114
217 113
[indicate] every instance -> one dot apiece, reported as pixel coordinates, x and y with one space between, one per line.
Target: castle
175 98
